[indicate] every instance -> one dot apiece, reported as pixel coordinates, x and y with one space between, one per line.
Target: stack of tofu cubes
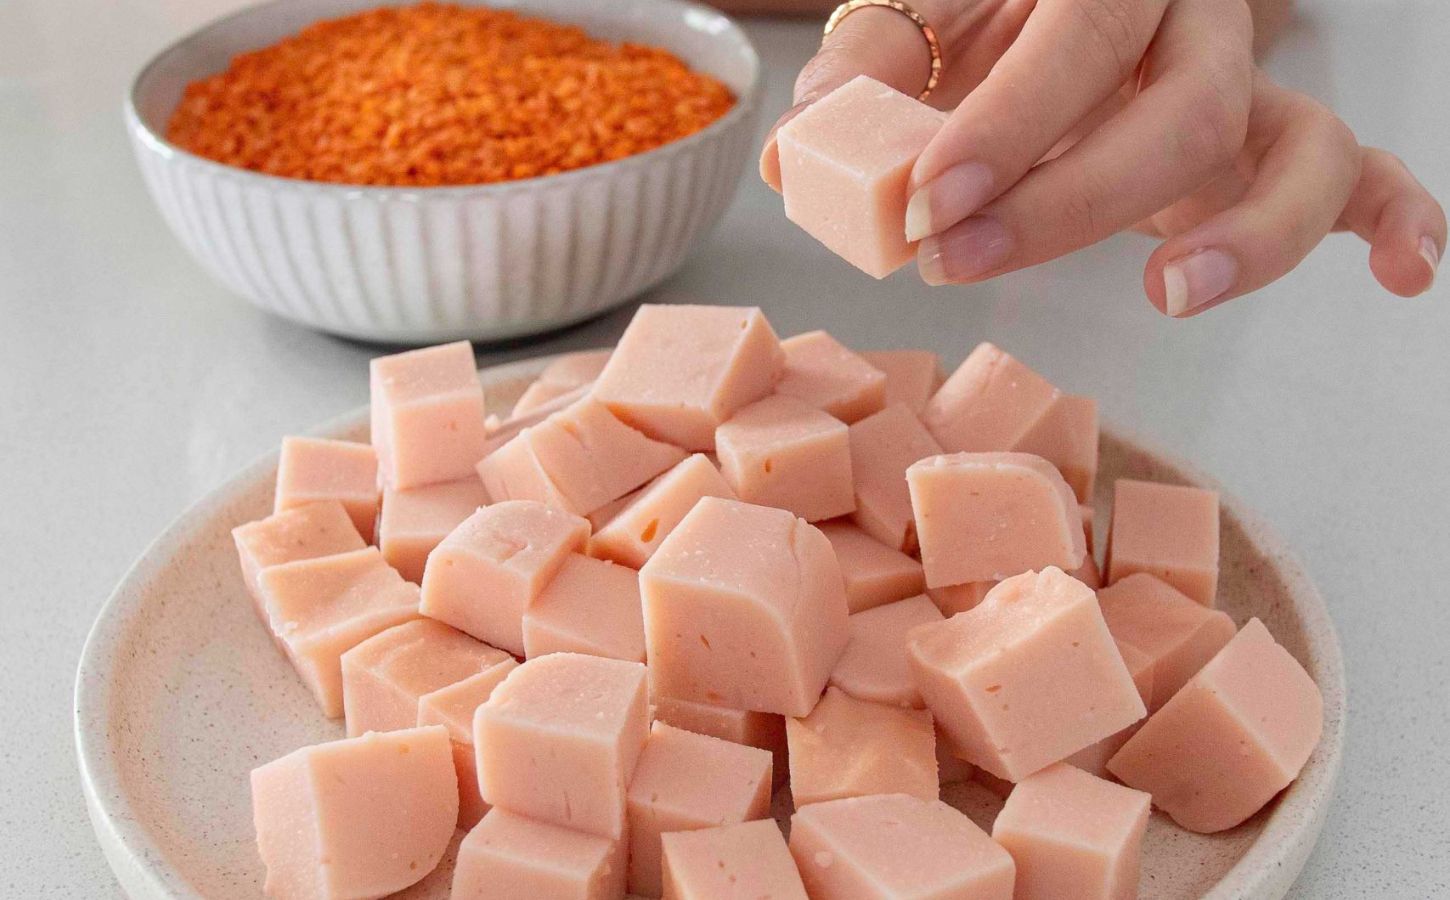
712 570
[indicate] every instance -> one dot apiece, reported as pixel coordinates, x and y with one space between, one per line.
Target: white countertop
130 385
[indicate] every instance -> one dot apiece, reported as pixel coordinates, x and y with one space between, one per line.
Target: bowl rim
745 104
1280 850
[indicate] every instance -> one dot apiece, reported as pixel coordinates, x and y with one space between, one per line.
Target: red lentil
441 94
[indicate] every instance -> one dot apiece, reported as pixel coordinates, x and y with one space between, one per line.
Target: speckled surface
181 694
131 385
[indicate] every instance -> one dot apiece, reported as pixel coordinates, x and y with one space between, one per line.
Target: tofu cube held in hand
844 166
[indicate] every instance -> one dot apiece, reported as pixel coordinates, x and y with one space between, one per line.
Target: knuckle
1384 160
1213 129
1078 216
1117 26
831 66
1336 140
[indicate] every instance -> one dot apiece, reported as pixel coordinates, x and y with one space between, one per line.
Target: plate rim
1266 870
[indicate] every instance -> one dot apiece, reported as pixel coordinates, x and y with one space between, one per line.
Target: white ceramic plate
180 693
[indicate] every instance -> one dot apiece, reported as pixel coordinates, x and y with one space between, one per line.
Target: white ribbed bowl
418 265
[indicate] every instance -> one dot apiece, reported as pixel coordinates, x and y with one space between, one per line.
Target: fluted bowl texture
482 262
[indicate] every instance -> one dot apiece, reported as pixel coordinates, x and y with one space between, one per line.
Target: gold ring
933 46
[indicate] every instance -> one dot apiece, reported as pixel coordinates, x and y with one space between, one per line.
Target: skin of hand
1072 120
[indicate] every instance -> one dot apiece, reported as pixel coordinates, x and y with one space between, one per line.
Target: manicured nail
770 163
1198 278
1431 253
947 199
964 252
770 152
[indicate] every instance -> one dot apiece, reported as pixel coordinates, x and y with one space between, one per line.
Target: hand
1076 119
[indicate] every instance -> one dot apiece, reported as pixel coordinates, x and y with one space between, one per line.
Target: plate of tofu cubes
712 615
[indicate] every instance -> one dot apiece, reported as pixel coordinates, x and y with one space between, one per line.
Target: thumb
874 41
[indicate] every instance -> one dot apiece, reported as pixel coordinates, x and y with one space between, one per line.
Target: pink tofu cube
1140 666
606 513
821 372
1177 635
1026 678
1093 758
742 726
500 432
874 666
1067 437
1073 835
851 748
362 817
844 166
997 787
488 570
538 394
685 781
747 861
1232 738
950 767
883 447
578 459
307 532
874 573
417 520
1168 531
312 470
912 376
591 606
988 516
453 707
320 608
744 606
427 415
991 402
893 847
955 598
782 452
558 740
577 368
634 530
566 374
510 857
384 677
679 371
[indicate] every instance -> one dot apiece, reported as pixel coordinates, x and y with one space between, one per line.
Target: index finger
874 41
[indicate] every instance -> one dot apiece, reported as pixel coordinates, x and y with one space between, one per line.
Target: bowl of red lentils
433 171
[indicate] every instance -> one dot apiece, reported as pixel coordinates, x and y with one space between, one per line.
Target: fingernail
964 252
770 152
1198 278
1431 253
947 199
770 163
